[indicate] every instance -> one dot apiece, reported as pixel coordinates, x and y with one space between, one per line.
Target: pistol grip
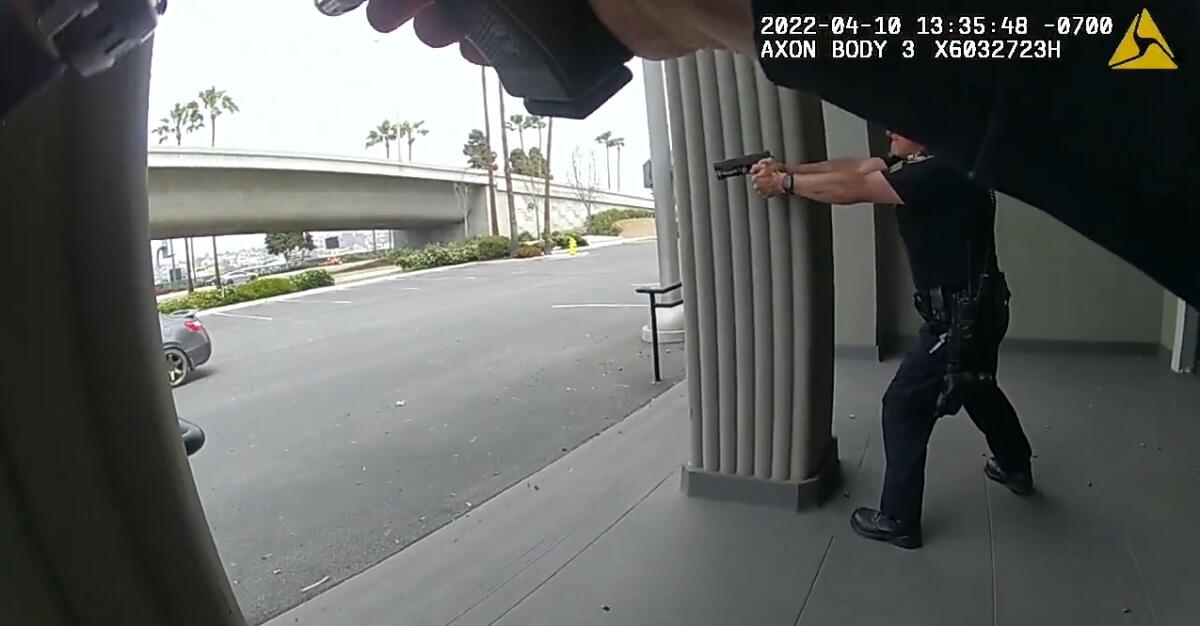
554 54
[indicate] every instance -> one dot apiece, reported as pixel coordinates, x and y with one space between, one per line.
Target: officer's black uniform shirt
946 222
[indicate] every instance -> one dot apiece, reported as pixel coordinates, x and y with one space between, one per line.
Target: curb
399 272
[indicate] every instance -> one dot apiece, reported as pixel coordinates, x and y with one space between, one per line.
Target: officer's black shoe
872 524
1020 483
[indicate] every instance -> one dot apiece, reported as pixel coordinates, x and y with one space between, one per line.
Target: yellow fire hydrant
571 246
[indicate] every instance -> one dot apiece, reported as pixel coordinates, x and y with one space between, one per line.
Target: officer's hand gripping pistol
739 166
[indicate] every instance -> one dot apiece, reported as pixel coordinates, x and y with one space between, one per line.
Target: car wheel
178 366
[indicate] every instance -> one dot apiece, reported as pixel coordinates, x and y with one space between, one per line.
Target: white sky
309 83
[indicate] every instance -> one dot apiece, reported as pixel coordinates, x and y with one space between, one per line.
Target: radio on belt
555 54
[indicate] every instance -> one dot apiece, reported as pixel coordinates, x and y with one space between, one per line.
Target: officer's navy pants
909 413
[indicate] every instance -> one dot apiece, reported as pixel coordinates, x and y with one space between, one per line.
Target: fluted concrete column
758 278
670 321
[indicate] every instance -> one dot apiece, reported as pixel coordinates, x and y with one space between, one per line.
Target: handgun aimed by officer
947 223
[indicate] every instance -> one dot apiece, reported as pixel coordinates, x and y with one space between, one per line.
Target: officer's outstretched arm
846 187
837 165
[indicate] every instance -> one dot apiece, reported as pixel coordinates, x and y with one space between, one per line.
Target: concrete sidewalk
605 536
482 564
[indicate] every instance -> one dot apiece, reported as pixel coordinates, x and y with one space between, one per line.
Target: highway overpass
202 191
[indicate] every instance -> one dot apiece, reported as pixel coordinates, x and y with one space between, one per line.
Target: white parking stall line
243 316
598 306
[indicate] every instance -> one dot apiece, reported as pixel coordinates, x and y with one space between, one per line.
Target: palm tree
537 123
605 139
409 131
520 124
546 241
487 134
216 103
618 143
384 134
512 209
180 120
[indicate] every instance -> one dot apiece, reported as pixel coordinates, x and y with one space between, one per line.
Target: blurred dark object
193 436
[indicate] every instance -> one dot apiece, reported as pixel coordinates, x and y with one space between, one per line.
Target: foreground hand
768 164
652 29
768 183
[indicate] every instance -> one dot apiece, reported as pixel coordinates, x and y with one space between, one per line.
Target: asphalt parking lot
345 424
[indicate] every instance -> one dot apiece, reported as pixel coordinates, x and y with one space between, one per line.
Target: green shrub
489 248
167 307
258 289
399 257
526 252
424 258
311 280
208 299
362 256
525 237
439 254
254 290
604 222
196 300
466 252
561 240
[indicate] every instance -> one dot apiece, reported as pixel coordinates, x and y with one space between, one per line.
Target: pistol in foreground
739 166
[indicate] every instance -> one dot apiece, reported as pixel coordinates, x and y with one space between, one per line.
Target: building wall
898 320
569 208
1067 288
854 276
1170 312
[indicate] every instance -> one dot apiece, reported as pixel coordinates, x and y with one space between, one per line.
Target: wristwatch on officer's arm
789 184
39 39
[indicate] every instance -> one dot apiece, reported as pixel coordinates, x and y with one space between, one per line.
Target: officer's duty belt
934 304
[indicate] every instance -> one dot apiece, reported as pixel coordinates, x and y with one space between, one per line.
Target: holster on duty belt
971 324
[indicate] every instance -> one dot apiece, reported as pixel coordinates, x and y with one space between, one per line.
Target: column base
794 495
670 326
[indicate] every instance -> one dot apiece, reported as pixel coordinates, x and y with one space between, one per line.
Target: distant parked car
237 278
186 345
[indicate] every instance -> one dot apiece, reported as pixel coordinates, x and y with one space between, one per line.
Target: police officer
947 224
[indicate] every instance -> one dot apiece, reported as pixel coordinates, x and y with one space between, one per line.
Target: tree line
185 118
388 133
181 120
531 161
